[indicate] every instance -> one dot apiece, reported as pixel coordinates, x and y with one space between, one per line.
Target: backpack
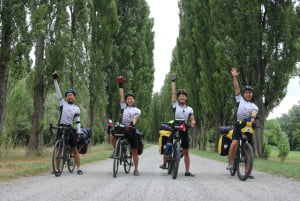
85 139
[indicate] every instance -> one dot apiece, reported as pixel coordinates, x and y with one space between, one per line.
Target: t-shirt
129 113
245 108
182 112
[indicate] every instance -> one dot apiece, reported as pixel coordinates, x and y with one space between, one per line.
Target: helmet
248 88
181 91
70 91
129 94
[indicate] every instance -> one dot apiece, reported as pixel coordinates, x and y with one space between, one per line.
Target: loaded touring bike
243 162
122 153
62 151
174 159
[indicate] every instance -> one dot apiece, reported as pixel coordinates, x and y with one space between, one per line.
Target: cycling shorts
72 139
132 138
185 140
237 131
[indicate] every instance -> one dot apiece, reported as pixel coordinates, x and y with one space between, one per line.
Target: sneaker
136 173
188 174
163 166
79 172
229 167
250 177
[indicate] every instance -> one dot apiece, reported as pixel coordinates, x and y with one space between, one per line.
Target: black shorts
72 138
132 138
237 131
185 140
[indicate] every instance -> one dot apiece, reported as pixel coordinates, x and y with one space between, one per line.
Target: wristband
120 85
55 76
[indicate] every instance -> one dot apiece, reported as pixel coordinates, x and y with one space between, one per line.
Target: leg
77 159
232 151
187 160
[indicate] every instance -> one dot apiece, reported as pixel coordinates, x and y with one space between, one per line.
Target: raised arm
57 89
235 74
121 81
173 87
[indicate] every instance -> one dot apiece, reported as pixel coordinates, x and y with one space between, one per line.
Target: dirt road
212 183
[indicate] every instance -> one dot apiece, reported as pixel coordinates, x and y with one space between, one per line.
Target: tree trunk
36 140
6 33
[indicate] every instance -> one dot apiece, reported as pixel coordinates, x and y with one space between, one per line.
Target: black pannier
85 139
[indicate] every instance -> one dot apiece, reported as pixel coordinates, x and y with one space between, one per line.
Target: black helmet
248 88
181 91
70 91
129 94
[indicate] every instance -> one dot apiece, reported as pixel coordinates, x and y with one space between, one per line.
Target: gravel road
211 183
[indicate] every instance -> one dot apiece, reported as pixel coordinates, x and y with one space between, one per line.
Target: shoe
112 154
229 167
79 172
163 166
188 174
250 177
136 173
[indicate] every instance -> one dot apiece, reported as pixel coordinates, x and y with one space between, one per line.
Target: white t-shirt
182 112
129 113
245 108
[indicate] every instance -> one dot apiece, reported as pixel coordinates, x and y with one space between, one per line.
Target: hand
78 137
128 128
234 72
55 75
121 80
173 77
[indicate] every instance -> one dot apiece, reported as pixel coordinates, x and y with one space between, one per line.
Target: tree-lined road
212 183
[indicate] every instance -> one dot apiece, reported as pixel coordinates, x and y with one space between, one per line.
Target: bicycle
122 154
243 162
174 159
62 151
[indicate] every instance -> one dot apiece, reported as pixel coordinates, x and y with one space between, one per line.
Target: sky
166 26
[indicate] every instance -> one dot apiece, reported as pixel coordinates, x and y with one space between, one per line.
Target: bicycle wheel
70 161
57 158
170 164
127 158
233 170
176 157
245 164
117 155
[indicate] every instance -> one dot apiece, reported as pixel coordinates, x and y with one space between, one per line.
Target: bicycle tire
117 155
127 158
70 161
57 157
234 166
176 160
170 164
245 163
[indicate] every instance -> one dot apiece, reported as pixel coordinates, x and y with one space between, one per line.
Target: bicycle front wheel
117 155
176 159
127 158
57 158
245 163
70 161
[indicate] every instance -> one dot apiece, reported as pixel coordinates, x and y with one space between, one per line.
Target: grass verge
16 162
289 168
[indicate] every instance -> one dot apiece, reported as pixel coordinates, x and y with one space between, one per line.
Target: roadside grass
17 162
289 168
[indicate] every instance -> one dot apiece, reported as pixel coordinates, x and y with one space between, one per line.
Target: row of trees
260 38
90 43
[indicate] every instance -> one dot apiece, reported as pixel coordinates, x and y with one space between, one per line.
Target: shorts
185 140
237 131
72 138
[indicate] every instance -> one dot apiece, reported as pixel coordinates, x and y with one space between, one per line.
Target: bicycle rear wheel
176 157
117 155
235 162
58 158
70 161
245 163
127 158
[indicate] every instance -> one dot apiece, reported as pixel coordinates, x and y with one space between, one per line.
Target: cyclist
69 112
181 111
247 110
130 115
111 137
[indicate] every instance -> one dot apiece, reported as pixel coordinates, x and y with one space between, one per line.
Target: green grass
16 162
289 168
